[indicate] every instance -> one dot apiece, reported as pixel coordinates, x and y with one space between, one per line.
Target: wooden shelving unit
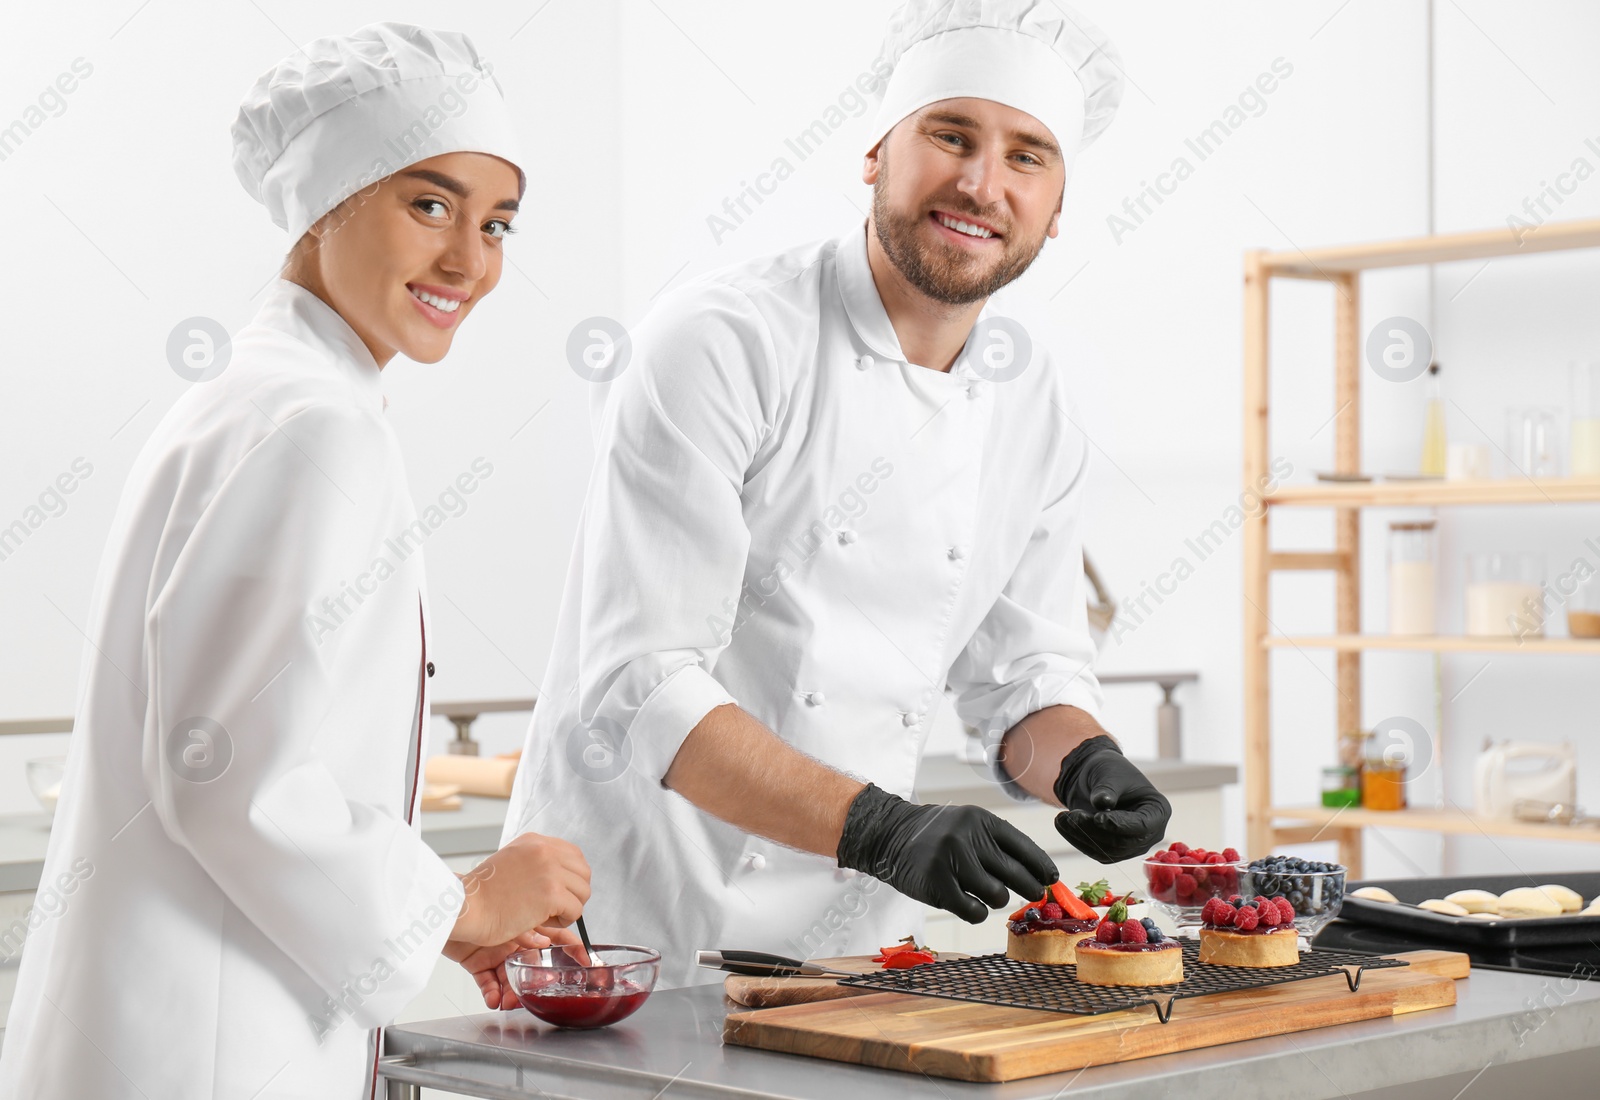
1269 825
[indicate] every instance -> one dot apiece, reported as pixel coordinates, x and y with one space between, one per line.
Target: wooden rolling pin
491 777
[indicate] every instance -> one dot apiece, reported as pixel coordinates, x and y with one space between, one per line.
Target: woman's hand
532 882
487 964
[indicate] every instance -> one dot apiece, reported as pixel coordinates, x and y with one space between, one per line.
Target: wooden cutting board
973 1042
772 992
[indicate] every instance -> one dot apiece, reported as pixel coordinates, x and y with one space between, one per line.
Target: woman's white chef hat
1037 56
342 113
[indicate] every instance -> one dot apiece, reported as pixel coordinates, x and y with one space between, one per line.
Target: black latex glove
1112 812
962 859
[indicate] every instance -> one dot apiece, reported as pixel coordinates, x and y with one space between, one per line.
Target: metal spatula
759 964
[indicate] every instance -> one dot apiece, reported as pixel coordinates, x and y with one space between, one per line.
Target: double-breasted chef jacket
249 894
786 514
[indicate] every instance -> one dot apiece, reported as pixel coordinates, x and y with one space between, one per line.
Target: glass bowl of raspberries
1181 879
1315 889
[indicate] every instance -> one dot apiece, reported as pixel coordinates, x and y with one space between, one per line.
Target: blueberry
1148 922
1238 903
1031 914
1153 935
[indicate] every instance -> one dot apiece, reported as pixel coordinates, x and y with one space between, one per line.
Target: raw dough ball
1475 901
1528 901
1438 905
1569 900
1374 893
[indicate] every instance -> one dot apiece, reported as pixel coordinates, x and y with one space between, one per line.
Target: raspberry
1178 846
1270 916
1188 861
1285 908
1246 918
1215 857
1051 911
1208 910
1165 857
1163 877
1134 932
1107 932
1224 915
1235 897
1185 885
1231 855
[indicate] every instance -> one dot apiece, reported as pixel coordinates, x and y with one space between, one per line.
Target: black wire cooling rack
1012 983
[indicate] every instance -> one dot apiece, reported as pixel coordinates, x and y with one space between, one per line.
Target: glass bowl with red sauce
558 986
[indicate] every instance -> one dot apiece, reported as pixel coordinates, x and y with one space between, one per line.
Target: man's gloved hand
1112 812
962 859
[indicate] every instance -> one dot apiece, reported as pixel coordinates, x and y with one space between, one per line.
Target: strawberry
1246 917
1133 932
1051 911
1231 855
906 959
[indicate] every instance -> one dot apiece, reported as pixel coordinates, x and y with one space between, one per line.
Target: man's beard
943 272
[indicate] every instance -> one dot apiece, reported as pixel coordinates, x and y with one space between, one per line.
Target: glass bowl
1181 901
1316 890
44 777
555 985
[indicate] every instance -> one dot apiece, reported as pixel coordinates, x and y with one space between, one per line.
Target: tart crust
1220 947
1046 945
1112 964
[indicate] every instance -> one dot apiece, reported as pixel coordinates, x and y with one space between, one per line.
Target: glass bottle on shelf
1434 446
1584 423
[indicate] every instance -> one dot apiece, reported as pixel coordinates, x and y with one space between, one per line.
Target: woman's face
404 261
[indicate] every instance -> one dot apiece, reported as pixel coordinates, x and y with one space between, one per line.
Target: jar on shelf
1412 578
1584 419
1583 610
1505 595
1341 786
1383 784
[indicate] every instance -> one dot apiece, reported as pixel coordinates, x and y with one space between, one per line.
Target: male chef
832 485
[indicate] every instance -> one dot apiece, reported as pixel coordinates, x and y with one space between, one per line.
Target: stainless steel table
673 1046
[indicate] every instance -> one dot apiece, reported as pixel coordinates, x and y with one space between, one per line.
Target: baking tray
1469 931
1013 983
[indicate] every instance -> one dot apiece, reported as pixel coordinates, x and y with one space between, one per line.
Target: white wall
648 115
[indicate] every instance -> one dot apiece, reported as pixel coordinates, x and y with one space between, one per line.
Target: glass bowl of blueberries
1315 889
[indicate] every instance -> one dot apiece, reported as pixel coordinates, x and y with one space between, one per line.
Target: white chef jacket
786 514
239 935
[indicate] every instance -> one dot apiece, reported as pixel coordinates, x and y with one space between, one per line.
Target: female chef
250 899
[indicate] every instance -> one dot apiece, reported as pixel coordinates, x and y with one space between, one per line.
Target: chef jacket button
846 537
974 389
955 553
430 668
908 719
814 699
866 362
840 874
755 861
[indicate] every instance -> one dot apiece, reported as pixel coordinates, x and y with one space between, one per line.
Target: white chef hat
1037 56
346 111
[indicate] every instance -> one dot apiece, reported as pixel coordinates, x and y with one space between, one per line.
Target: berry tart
1259 932
1048 931
1124 951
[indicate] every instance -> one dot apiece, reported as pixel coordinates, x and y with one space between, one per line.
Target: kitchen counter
1500 1023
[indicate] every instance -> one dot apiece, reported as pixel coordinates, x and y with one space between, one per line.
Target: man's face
434 228
975 191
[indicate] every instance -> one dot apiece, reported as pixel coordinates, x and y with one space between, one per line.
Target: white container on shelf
1504 596
1411 578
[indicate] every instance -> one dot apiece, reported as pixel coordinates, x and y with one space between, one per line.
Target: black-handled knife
759 964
